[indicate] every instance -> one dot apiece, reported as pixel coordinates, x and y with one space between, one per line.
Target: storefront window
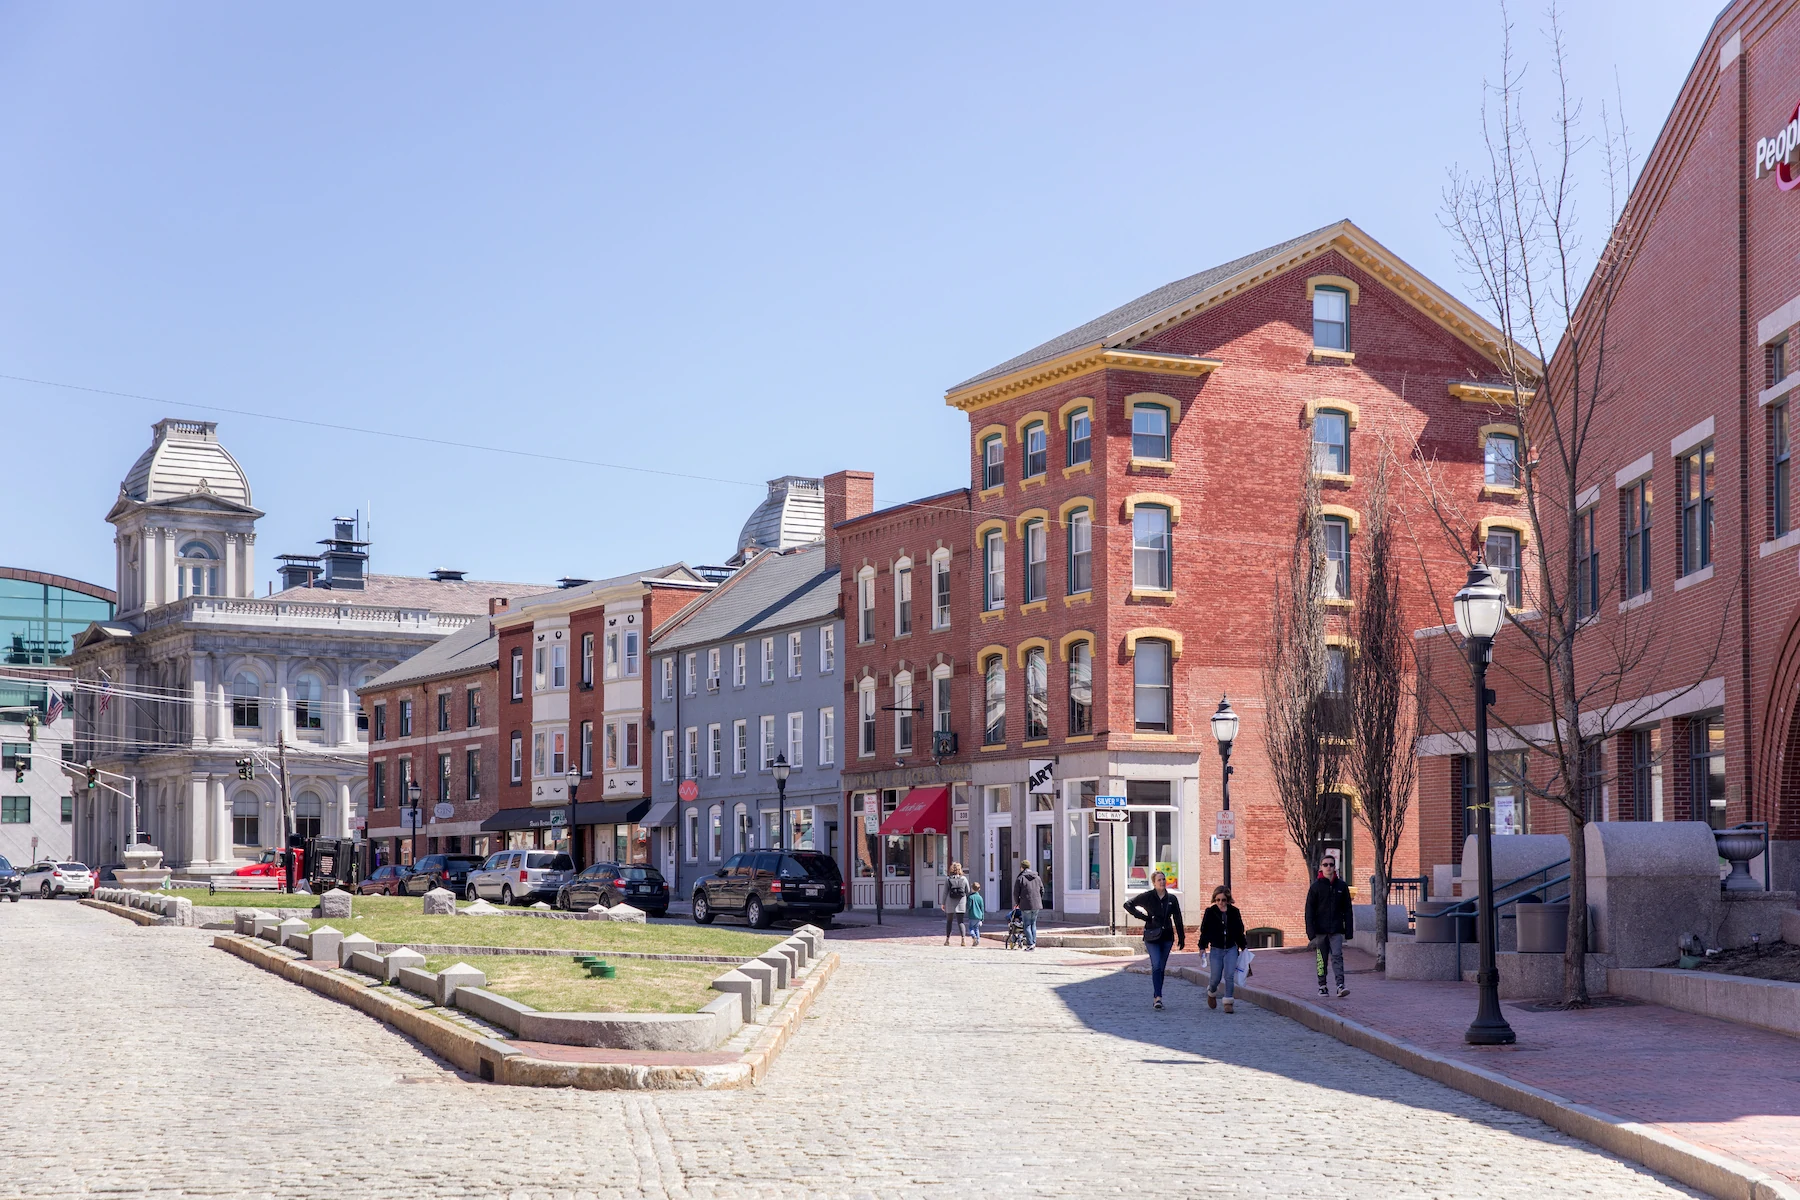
1151 833
1084 838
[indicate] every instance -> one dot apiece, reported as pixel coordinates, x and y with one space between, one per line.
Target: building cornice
1076 363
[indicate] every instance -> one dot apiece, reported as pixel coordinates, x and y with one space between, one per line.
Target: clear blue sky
736 241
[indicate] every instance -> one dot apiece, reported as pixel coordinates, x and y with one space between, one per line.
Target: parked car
519 876
385 881
10 887
441 870
770 885
614 883
50 879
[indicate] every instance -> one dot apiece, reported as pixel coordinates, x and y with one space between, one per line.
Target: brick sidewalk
1724 1086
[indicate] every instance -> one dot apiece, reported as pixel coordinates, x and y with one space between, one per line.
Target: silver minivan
520 876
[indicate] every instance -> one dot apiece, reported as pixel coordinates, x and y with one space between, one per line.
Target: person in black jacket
1160 911
1221 937
1328 922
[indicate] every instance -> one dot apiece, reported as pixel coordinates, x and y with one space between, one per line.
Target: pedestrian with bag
1221 937
977 910
956 903
1160 911
1028 896
1329 920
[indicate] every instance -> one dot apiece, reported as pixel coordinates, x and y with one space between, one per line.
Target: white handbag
1243 965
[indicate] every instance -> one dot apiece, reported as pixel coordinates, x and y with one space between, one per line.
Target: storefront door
1000 864
1043 857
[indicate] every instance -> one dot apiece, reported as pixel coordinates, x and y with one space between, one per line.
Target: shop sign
871 823
1777 153
1042 779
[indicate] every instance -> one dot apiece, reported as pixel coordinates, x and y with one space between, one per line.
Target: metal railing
1412 889
1533 886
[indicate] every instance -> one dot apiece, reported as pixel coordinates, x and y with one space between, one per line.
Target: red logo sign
689 790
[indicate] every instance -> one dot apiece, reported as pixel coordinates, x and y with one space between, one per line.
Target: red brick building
1690 491
1136 484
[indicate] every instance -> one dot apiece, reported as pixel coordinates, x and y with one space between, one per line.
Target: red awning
925 810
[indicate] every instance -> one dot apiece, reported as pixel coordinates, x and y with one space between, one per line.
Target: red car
386 881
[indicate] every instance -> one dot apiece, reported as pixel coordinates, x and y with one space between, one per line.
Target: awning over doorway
925 810
509 819
611 812
661 813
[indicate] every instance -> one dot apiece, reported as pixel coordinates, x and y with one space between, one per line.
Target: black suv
770 885
440 871
612 883
9 880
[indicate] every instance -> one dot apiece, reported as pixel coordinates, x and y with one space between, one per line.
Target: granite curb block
177 910
441 951
497 1061
130 914
1771 1004
1713 1173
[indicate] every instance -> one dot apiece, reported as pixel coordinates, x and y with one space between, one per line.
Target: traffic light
19 771
93 777
246 768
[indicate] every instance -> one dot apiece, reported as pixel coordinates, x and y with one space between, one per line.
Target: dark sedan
440 871
385 881
9 880
607 884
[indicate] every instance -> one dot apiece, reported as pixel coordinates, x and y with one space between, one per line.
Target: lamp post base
1489 1028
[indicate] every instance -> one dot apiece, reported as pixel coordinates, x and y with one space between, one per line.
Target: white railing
896 893
220 610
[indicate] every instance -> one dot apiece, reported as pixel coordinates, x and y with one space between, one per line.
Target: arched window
940 699
197 574
993 550
309 814
1331 442
1081 689
1150 677
1037 556
740 829
1037 695
693 835
993 462
1337 558
246 813
1500 460
309 702
903 714
1081 437
246 701
866 718
715 838
993 673
865 607
1035 449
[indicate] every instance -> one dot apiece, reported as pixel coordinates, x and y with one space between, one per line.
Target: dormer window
198 571
1331 318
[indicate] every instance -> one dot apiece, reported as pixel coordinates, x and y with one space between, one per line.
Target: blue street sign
1109 802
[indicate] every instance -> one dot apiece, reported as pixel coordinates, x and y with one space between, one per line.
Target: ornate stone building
196 672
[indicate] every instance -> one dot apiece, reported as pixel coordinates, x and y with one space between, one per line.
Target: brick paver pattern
142 1062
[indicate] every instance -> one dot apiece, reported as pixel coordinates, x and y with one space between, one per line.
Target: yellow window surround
1085 468
1086 597
1070 505
1162 499
1513 523
988 431
1157 399
1348 356
1030 644
987 652
1066 411
1138 593
1490 393
1036 416
1171 636
1347 514
1068 641
1029 515
1488 431
1349 286
987 527
1352 414
1036 606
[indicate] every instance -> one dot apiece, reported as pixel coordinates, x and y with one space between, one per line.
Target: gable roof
679 574
470 648
769 592
1085 347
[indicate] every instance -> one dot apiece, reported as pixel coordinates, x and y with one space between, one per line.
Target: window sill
1333 602
1033 481
1036 606
1086 468
1495 491
995 746
1151 464
1153 737
1034 743
1695 577
1152 594
1334 478
1770 395
1079 737
993 614
991 493
1326 354
1777 545
1078 598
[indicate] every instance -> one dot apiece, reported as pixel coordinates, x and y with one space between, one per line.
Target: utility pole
287 824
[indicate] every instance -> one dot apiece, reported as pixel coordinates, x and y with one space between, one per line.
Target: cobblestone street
142 1062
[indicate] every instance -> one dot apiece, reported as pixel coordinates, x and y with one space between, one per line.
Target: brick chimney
848 495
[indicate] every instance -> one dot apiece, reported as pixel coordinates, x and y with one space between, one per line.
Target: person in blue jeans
975 910
1160 911
1028 896
1221 938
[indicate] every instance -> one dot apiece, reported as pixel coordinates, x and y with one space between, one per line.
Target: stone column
284 718
345 815
220 810
230 581
197 806
202 725
168 591
247 564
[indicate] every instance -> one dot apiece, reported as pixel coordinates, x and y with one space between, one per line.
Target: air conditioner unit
943 744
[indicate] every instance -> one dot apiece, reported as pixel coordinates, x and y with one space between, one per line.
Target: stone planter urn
1738 847
143 870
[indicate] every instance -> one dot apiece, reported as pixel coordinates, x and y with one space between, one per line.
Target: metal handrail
1412 888
1466 907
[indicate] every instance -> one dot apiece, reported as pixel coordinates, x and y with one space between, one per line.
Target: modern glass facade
38 621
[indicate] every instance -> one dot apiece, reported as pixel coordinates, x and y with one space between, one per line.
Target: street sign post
557 816
1225 827
1110 816
1109 802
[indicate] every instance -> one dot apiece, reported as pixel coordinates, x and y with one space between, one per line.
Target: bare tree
1583 668
1383 753
1302 734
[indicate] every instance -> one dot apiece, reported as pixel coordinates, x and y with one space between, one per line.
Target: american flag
55 708
105 690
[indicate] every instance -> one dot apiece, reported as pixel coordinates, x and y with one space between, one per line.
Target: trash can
1435 923
1543 928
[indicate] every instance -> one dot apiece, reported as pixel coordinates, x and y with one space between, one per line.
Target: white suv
51 879
520 876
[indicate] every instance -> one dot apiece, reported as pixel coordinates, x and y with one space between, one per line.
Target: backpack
957 886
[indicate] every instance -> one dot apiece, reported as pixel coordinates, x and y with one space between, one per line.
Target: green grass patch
562 985
200 896
400 920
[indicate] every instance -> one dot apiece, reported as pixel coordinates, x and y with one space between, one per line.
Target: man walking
1328 922
1028 895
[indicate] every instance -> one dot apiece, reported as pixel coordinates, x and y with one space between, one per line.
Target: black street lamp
574 778
1225 729
781 770
1480 607
413 794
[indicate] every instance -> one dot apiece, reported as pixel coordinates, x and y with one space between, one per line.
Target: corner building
1136 485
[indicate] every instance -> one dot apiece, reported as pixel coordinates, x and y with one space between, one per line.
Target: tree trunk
1575 953
1381 912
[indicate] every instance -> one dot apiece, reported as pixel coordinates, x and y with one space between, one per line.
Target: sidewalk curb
1713 1173
130 914
496 1061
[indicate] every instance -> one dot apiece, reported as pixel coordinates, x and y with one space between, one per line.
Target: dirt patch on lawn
1777 960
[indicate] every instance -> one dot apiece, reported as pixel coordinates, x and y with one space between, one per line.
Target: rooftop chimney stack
848 495
344 556
445 575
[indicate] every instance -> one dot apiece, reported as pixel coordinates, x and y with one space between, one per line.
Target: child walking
977 909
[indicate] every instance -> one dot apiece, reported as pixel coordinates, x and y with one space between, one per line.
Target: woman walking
956 903
1160 911
1221 937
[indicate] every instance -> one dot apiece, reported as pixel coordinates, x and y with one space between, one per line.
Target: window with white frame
993 673
668 679
1150 432
518 758
518 674
612 654
198 573
740 747
1331 441
692 752
633 741
1151 686
865 605
1502 553
712 669
796 659
740 829
1336 585
865 698
1500 460
940 590
1037 695
740 665
1150 565
903 598
993 553
715 838
827 736
1081 688
796 739
940 699
715 750
768 741
993 462
540 668
668 756
587 660
903 717
540 754
1034 451
559 753
1081 551
768 660
1037 561
1083 848
1081 437
691 674
587 747
610 738
633 653
693 835
1331 318
827 648
559 667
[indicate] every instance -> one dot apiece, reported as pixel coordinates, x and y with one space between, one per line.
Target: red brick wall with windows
424 746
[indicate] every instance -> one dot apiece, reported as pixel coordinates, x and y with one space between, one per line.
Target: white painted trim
1634 472
1688 439
1694 577
1778 322
1615 718
1637 601
1786 541
1588 499
1729 51
1770 395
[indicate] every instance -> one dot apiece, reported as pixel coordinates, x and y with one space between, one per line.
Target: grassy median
401 920
562 985
203 898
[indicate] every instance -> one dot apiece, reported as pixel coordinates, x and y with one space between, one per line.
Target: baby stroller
1015 931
